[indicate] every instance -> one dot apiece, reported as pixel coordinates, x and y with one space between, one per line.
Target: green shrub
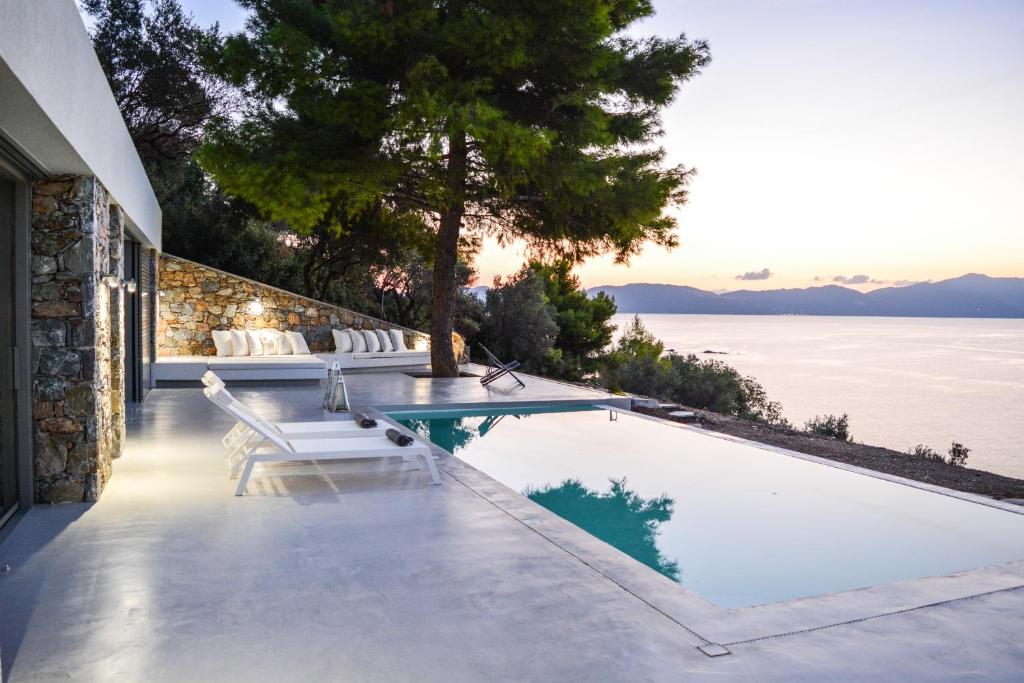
830 426
958 454
584 322
636 364
519 323
925 452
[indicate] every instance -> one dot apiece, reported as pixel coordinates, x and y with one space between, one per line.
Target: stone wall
195 299
77 345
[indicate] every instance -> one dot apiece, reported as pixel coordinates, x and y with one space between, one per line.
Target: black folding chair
496 369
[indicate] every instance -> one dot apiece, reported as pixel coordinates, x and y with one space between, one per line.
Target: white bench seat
233 368
376 359
264 362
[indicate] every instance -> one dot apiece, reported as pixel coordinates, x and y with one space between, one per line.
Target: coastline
901 381
876 458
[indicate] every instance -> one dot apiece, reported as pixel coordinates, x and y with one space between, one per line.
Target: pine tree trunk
442 312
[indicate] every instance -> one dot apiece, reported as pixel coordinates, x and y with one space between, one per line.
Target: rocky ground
861 455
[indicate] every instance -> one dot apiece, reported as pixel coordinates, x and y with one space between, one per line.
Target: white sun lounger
241 436
282 449
243 439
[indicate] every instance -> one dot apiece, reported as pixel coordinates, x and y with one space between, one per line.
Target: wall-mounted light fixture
130 286
255 307
111 281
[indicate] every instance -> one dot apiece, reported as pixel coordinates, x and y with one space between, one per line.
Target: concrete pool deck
364 571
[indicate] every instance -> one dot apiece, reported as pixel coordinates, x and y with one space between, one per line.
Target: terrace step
682 414
642 402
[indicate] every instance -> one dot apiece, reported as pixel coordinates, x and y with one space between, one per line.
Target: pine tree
526 120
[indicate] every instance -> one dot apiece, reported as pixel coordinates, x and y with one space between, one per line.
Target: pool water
737 524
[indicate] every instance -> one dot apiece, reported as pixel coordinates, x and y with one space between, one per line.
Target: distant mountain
480 292
969 296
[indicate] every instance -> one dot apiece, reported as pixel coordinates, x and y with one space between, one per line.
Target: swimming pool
737 524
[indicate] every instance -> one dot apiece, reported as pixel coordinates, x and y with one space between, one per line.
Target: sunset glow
832 140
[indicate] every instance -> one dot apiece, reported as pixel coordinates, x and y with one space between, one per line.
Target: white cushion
284 347
255 342
342 341
372 343
298 343
385 340
222 340
269 339
239 343
267 343
398 340
358 341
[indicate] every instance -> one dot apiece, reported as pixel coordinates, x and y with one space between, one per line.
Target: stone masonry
196 299
77 344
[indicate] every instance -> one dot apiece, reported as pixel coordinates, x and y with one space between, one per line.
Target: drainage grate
714 650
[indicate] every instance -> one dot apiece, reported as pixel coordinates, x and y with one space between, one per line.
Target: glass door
132 315
8 452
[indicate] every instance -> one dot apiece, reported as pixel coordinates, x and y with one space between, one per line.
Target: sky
869 143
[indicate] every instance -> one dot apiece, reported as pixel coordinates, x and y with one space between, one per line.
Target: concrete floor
396 389
364 571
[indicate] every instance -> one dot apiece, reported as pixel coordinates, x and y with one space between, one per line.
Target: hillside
968 296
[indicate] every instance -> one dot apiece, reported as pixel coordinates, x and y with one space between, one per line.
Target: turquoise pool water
737 524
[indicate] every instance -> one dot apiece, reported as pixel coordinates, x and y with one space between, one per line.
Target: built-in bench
273 368
363 350
376 359
235 368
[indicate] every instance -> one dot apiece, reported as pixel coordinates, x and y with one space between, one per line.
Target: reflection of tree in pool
451 434
620 518
454 434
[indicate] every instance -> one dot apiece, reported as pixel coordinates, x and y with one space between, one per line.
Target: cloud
763 274
906 283
860 279
851 279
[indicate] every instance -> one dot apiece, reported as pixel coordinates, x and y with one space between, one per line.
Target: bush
519 322
830 426
958 454
584 322
925 452
636 365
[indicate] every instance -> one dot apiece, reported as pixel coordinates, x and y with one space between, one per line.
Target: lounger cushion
298 342
239 343
385 340
255 342
222 341
398 340
368 444
342 341
372 343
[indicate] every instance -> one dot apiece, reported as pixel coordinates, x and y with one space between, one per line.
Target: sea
902 381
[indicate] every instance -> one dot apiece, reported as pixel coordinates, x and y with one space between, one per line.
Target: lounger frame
278 447
496 369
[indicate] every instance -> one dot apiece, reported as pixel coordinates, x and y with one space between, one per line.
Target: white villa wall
57 109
